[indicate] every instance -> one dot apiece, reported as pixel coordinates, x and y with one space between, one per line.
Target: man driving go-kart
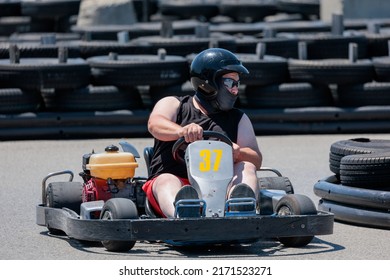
215 76
202 185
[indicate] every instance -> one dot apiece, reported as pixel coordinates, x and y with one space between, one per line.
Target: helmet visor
234 65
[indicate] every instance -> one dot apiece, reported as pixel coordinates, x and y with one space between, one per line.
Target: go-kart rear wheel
276 183
118 208
63 195
295 204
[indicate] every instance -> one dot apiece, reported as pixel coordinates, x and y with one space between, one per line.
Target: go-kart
110 206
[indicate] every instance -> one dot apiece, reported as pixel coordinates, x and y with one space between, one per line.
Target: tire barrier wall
306 76
358 192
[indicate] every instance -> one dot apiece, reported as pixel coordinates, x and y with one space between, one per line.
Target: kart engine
100 189
110 175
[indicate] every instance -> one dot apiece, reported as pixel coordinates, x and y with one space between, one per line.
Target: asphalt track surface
303 159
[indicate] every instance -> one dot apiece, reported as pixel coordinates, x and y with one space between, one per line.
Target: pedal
190 208
240 207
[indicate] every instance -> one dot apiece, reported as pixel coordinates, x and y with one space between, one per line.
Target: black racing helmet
211 64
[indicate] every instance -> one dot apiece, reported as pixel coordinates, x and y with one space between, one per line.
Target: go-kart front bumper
185 229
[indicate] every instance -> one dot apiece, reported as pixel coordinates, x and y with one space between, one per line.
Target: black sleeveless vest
224 122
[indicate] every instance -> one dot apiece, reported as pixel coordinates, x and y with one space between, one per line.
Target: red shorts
147 188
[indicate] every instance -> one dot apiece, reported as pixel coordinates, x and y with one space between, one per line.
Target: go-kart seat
148 154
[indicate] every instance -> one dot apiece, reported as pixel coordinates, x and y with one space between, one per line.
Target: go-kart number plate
212 159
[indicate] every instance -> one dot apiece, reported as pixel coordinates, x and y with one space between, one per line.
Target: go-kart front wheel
118 208
295 204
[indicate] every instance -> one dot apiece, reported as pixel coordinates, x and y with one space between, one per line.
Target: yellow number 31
207 156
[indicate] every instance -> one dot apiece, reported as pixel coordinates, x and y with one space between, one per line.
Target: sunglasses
230 83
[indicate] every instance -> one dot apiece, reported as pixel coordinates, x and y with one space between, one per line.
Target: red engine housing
101 189
96 189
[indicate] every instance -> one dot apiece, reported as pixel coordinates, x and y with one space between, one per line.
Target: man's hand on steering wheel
181 144
191 132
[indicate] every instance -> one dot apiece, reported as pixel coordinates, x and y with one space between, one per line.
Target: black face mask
209 104
225 99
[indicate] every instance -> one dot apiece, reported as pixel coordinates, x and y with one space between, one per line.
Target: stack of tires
356 79
36 16
26 66
116 65
133 71
25 80
358 192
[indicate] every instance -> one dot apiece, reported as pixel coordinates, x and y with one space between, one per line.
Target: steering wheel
181 144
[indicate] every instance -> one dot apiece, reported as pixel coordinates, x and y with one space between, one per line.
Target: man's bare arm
162 123
162 120
246 140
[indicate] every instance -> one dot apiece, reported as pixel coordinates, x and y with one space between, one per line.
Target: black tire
175 45
284 47
182 45
332 190
110 32
12 24
288 95
267 70
143 70
40 73
366 171
14 100
119 208
37 37
63 195
99 98
329 46
331 71
276 183
354 146
367 94
382 68
247 10
203 10
36 50
10 8
98 48
295 204
237 28
377 44
144 9
50 8
303 26
356 215
306 8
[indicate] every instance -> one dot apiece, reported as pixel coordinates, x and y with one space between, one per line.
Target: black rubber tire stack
195 9
308 8
33 75
50 15
329 91
43 44
358 192
248 10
